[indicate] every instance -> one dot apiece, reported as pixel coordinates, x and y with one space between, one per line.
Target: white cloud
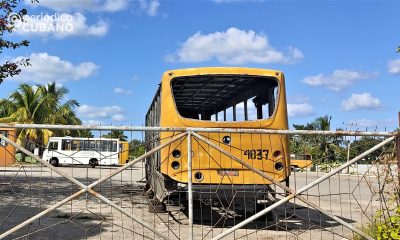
89 5
339 79
59 26
234 46
119 90
114 5
118 117
150 7
363 123
92 122
114 113
372 124
45 68
300 109
361 101
394 66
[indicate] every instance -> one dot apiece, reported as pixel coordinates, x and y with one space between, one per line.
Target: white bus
92 151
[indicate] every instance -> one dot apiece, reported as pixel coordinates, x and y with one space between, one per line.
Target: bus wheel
93 162
54 162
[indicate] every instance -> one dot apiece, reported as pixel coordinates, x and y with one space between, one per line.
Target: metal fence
331 198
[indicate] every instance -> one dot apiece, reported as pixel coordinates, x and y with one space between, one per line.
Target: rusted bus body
7 151
218 98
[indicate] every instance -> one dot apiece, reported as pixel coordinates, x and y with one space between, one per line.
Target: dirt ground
26 191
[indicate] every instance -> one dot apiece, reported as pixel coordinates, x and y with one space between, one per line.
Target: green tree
85 133
326 144
8 14
364 143
62 111
116 134
41 104
323 148
136 148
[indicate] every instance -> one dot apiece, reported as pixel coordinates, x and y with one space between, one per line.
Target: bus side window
114 146
66 145
104 147
85 145
76 145
53 146
92 145
98 145
110 145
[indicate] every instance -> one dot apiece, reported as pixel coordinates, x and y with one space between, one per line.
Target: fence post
398 157
190 190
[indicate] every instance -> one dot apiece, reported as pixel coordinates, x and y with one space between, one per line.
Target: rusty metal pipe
181 129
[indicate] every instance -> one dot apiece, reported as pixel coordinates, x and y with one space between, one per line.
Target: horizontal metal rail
180 129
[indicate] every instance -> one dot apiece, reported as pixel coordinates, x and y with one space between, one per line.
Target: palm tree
322 147
329 146
62 112
116 134
38 105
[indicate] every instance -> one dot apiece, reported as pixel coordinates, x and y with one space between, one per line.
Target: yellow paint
123 153
208 160
304 161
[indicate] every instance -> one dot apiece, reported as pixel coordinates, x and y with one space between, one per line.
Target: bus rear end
218 98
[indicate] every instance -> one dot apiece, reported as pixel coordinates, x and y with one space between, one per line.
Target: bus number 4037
258 154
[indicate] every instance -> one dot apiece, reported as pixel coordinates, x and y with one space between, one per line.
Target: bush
389 228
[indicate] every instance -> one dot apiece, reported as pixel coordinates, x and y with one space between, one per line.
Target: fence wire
239 187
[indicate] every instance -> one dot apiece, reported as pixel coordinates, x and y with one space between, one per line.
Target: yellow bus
300 161
218 97
123 152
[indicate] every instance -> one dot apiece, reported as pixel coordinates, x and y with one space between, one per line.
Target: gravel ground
29 190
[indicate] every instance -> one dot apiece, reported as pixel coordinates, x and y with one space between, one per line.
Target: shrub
389 228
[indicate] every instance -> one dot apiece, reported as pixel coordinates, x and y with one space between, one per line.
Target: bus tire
54 161
93 162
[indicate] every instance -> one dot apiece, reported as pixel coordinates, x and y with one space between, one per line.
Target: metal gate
323 200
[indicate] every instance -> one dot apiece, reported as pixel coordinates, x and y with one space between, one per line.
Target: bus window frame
52 148
277 96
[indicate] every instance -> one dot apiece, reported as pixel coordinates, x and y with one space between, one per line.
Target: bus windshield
225 97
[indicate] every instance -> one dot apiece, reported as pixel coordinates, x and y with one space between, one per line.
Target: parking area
28 190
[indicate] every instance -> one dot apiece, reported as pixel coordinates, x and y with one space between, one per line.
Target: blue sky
339 57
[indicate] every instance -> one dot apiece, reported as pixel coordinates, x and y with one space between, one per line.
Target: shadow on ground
286 217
